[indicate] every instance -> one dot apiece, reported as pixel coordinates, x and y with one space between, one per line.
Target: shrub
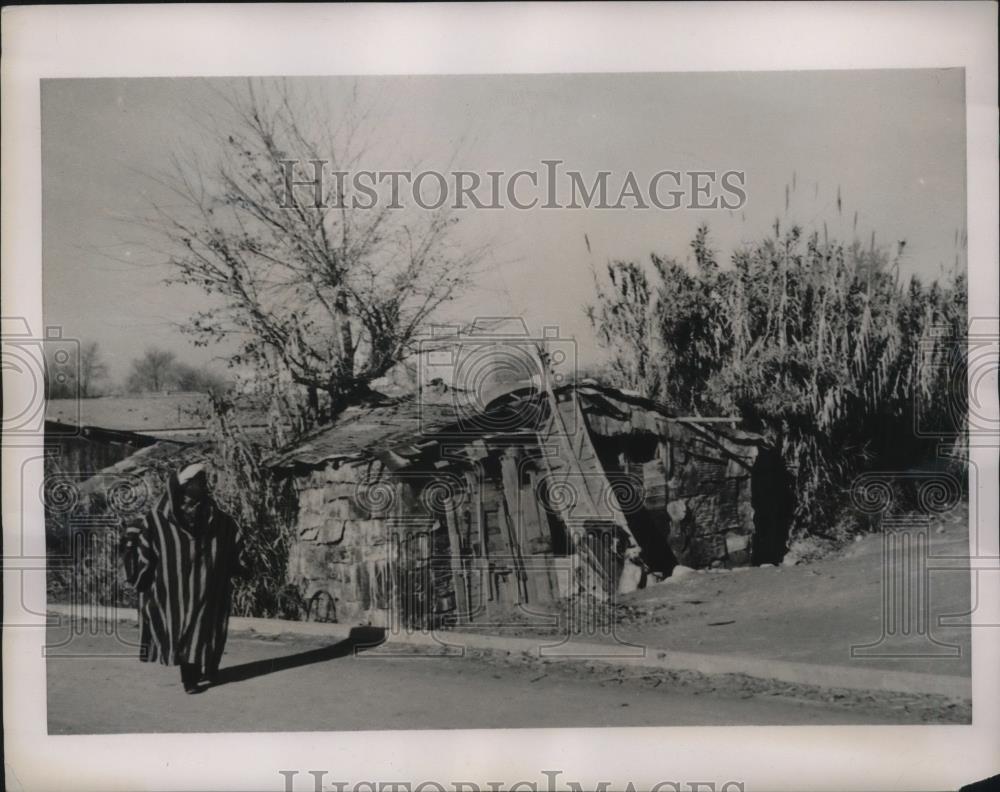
263 507
815 343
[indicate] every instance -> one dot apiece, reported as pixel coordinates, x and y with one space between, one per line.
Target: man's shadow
360 638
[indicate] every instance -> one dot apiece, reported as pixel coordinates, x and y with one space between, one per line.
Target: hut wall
413 549
709 498
339 560
368 549
713 493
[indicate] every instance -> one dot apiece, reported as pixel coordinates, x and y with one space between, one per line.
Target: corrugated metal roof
180 415
442 414
362 431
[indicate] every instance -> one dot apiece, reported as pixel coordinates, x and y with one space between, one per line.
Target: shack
423 512
84 436
106 462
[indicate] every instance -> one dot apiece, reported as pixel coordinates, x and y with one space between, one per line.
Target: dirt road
816 612
296 684
812 614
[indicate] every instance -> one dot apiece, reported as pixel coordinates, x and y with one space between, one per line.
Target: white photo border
293 39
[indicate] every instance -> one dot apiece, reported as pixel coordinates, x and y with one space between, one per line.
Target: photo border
219 40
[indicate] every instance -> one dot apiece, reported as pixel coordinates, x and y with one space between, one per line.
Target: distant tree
189 378
159 369
93 370
154 371
73 373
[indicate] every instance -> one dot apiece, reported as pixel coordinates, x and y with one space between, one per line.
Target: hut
85 436
106 462
428 510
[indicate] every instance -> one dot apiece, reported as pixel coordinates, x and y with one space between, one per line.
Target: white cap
190 472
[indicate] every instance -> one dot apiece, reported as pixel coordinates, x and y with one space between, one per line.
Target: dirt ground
810 612
816 612
294 684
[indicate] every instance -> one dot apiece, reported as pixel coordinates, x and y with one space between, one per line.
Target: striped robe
183 576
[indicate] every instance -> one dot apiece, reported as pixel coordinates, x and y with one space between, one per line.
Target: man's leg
189 677
210 674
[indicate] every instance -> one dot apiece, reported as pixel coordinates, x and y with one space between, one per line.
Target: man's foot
189 677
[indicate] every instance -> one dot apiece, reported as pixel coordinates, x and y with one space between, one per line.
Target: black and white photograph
441 402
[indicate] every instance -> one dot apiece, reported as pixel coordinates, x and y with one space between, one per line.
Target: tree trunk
343 337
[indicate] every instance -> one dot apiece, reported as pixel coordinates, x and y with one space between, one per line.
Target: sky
891 142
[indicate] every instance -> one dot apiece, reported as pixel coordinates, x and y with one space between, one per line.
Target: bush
814 343
263 507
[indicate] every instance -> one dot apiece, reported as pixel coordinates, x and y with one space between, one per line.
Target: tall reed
818 344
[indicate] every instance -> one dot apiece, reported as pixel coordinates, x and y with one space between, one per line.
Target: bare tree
75 373
328 296
154 371
93 369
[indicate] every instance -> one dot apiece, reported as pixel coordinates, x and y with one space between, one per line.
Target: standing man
181 561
